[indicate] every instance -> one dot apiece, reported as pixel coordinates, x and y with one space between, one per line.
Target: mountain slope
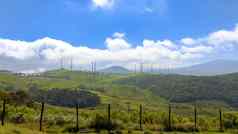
178 88
216 67
115 70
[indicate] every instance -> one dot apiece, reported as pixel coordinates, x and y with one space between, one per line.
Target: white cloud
167 43
161 50
47 52
105 4
118 35
117 42
197 49
16 49
188 41
223 37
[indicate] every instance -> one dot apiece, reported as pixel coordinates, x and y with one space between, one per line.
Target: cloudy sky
38 34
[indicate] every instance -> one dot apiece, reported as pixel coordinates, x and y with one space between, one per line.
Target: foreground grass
15 129
20 129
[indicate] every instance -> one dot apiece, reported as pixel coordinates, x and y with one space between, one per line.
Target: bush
165 123
20 97
118 132
130 132
230 120
100 122
187 127
59 121
204 124
66 97
70 129
18 119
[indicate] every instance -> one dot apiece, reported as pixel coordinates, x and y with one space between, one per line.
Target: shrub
130 132
187 127
18 119
204 124
100 122
230 120
70 129
118 132
59 121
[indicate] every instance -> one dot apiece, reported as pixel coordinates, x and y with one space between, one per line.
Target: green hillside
178 88
146 88
61 89
101 85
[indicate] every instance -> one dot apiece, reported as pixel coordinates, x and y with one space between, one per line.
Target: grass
124 100
58 119
17 129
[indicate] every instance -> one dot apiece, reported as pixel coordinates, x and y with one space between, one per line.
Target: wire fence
110 117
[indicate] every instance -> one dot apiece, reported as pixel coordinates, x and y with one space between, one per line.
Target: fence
143 117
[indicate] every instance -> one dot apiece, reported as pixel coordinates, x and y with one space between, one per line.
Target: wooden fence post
140 114
77 117
109 116
128 107
221 121
41 114
3 111
195 117
170 125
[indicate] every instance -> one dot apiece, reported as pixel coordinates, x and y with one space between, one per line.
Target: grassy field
125 99
18 129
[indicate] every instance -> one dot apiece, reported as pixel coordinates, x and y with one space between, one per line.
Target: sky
38 34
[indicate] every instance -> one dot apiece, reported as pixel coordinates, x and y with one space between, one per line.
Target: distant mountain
115 70
5 71
216 67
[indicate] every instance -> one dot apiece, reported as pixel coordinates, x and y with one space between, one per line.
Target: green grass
121 93
20 129
17 129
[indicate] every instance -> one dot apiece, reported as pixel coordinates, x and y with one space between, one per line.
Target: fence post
77 117
170 126
195 117
128 107
221 122
109 116
140 114
3 111
41 114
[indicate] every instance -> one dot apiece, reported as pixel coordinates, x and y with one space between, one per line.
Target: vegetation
65 97
178 88
62 89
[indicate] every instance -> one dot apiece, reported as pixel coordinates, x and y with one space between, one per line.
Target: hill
115 70
146 88
62 89
216 67
5 71
179 88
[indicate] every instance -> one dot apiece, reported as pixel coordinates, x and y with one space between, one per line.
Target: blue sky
75 21
113 25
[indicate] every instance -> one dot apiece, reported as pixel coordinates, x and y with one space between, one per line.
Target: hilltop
115 70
